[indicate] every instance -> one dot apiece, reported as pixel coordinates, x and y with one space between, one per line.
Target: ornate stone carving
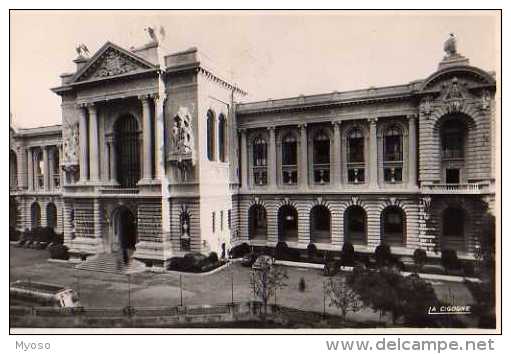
485 100
70 145
182 151
425 106
450 46
112 63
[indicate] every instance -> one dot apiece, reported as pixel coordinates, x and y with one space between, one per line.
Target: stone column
46 172
93 143
302 157
84 149
51 158
412 152
22 161
244 161
30 169
336 167
61 173
272 160
113 162
146 134
373 154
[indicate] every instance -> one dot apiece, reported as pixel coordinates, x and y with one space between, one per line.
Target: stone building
156 153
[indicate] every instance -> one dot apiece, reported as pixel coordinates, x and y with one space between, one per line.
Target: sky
268 54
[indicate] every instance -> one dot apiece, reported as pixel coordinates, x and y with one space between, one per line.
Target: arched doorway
320 224
257 222
355 225
123 231
453 229
288 223
35 215
127 144
51 215
393 226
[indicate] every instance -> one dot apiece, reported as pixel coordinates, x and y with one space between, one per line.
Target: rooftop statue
450 45
82 50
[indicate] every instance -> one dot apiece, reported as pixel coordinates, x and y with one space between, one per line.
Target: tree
342 296
266 280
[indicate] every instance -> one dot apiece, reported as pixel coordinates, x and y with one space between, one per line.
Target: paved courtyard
98 289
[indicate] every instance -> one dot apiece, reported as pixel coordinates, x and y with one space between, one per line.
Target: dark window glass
221 137
392 149
260 152
355 146
289 150
452 175
452 140
211 136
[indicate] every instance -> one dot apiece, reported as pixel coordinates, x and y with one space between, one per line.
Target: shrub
59 252
301 285
213 257
468 269
348 255
281 250
449 259
14 235
312 251
240 250
383 255
419 258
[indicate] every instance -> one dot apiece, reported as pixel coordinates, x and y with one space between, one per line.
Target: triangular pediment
111 61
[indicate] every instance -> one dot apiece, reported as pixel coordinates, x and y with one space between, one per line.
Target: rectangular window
213 222
221 220
452 175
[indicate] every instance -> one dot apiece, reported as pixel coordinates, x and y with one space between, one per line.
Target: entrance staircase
111 263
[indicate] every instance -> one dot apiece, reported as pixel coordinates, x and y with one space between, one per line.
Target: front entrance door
123 231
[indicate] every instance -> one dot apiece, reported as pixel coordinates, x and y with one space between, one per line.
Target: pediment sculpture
111 63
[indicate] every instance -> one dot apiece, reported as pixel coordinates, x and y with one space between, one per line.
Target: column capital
144 98
242 130
302 126
372 120
271 128
336 124
412 117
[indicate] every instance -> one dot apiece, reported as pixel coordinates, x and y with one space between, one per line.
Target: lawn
98 289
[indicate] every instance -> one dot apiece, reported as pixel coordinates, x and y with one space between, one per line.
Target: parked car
263 262
248 259
42 294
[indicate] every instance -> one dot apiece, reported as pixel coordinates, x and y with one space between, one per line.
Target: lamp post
181 288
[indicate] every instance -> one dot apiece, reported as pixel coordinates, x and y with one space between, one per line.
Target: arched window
393 155
39 169
356 161
211 136
13 170
260 161
257 222
321 158
222 143
127 151
320 224
452 140
185 231
51 215
35 215
453 229
355 225
393 226
288 223
13 213
289 159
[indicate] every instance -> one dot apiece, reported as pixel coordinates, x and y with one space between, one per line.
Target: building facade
157 153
